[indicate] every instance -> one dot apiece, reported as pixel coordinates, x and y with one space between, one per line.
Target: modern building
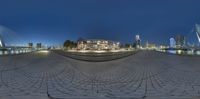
150 45
39 45
137 41
30 45
97 44
2 44
172 43
180 41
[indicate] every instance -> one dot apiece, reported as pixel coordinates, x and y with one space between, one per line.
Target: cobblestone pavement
145 75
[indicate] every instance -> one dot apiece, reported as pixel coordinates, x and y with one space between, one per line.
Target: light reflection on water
171 51
198 52
14 52
182 52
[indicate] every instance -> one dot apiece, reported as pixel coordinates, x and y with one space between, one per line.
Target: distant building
137 41
150 45
180 41
2 44
30 45
97 44
172 43
39 45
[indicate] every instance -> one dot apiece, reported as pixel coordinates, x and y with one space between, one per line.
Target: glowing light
99 51
190 52
198 52
172 51
44 51
179 52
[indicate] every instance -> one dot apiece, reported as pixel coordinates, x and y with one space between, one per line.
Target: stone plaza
144 75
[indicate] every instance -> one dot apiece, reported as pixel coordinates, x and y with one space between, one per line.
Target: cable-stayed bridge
193 39
4 50
197 29
2 44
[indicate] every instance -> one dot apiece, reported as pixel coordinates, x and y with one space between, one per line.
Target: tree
70 44
127 45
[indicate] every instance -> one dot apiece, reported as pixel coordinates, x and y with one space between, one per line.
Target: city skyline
53 22
99 49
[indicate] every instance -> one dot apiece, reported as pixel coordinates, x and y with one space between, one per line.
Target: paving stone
146 75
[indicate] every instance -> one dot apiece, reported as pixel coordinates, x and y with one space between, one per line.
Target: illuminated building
150 45
97 44
30 45
39 45
137 41
172 43
180 41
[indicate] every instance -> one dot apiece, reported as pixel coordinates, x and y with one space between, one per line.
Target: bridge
5 50
195 36
2 44
197 29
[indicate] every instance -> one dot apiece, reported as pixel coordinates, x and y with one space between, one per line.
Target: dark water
182 52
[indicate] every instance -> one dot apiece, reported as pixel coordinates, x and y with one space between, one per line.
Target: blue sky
54 21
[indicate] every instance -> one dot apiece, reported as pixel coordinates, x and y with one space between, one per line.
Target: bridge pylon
2 44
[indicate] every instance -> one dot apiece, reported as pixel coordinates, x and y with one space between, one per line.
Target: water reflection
198 52
183 52
13 52
171 51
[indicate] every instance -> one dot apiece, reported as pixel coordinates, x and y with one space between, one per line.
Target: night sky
54 21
